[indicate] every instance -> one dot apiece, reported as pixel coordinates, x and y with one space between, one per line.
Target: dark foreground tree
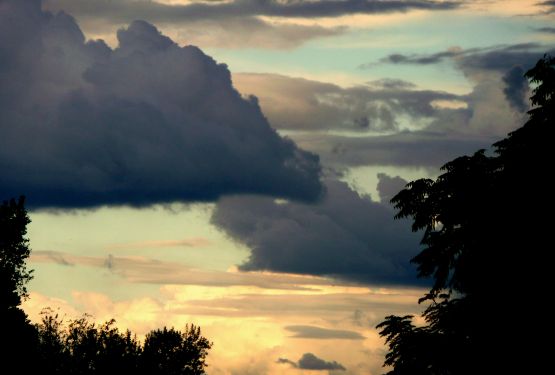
18 339
486 224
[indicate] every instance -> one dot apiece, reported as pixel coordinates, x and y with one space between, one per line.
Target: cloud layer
84 125
345 236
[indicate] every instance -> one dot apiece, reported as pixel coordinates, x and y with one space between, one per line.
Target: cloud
188 242
429 149
271 24
251 32
309 361
381 107
124 10
346 236
389 186
148 122
398 58
500 58
549 6
516 89
546 29
287 361
137 269
311 332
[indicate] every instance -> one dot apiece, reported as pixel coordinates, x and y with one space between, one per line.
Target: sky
229 163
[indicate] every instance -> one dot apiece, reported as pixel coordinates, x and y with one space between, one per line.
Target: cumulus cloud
309 361
150 121
346 235
389 186
312 332
516 89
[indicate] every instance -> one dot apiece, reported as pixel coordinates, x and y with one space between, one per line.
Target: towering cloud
150 121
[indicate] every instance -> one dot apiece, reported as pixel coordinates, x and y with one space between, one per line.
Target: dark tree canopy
175 353
18 338
486 238
14 251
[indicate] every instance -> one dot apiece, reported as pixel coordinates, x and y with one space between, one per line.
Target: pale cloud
138 269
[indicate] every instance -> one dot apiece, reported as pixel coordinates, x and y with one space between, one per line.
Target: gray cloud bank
345 236
84 125
267 24
123 10
309 361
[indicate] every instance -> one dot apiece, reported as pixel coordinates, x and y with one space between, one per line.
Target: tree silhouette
81 347
175 353
486 229
14 251
18 341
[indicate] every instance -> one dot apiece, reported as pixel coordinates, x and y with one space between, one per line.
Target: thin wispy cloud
319 333
156 244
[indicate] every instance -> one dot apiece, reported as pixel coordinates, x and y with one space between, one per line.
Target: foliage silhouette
173 352
81 347
14 251
19 339
485 231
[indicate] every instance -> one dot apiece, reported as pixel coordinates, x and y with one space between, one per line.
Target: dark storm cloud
125 10
309 361
84 125
312 332
389 186
345 236
516 89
